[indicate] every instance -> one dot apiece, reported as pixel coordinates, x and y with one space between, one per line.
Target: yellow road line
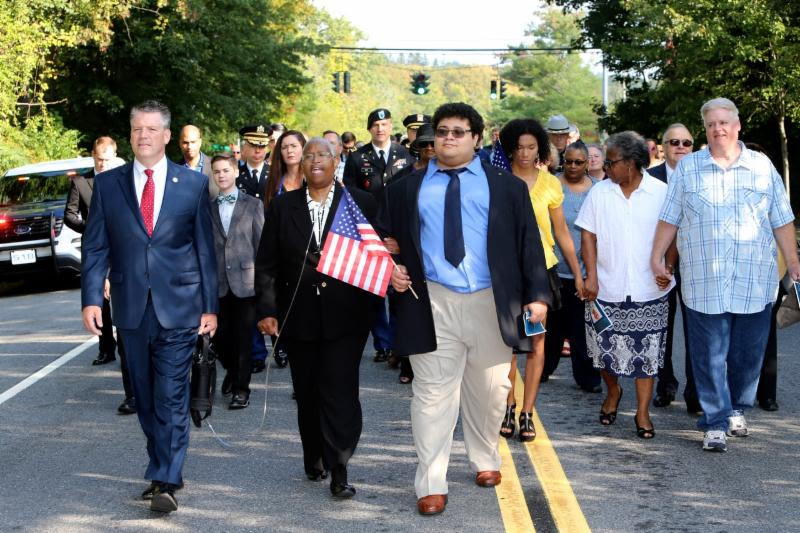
566 512
513 507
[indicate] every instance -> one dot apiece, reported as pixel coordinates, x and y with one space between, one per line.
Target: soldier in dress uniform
253 173
252 180
370 168
412 124
373 165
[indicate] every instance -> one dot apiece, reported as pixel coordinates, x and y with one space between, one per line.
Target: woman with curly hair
527 147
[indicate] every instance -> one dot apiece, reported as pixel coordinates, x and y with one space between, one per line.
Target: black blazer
516 259
324 307
79 198
248 185
659 172
367 171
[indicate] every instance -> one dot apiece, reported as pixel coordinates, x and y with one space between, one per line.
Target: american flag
353 251
499 158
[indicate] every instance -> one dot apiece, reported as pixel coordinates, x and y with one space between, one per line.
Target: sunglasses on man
687 143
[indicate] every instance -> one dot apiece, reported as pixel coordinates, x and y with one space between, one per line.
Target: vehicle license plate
23 257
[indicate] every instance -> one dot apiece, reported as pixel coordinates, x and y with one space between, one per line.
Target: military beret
378 114
416 120
256 134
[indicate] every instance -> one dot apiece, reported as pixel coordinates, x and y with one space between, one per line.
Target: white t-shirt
625 228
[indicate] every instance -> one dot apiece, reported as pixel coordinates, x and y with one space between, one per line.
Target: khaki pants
469 368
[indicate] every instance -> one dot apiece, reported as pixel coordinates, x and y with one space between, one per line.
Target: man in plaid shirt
728 208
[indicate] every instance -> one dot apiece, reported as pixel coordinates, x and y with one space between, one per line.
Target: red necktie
148 202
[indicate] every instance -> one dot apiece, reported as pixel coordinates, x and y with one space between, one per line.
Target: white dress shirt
385 151
625 228
669 171
226 210
160 180
251 169
319 212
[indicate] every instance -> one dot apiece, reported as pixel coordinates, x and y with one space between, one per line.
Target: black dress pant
325 379
107 342
123 365
233 341
768 383
667 382
568 323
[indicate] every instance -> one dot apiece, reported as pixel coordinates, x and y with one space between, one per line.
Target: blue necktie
453 232
226 198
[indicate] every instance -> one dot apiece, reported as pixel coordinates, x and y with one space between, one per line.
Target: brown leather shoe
488 478
432 504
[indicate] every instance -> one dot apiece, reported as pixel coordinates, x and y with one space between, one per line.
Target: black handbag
204 380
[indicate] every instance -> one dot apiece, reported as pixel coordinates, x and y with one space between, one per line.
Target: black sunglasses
578 162
424 144
687 143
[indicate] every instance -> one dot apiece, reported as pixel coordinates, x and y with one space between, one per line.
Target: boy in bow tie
237 220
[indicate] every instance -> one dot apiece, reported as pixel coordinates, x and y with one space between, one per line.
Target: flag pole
409 284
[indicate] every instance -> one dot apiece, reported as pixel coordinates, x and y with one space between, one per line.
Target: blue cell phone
532 328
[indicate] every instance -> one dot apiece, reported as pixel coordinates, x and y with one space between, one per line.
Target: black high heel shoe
644 433
507 427
526 426
607 419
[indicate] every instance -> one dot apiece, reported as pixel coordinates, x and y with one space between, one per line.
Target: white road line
36 376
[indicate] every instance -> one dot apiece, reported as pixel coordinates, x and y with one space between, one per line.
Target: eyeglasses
426 144
458 133
608 163
687 143
578 162
311 157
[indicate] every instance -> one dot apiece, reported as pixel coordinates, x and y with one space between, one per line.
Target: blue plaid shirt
725 220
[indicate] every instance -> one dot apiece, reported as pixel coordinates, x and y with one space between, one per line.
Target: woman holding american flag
319 267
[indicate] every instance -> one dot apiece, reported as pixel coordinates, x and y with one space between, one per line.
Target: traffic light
502 89
493 90
419 83
347 82
336 87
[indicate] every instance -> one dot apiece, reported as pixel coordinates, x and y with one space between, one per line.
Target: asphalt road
69 463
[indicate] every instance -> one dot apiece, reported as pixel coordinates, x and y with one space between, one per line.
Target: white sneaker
715 441
737 425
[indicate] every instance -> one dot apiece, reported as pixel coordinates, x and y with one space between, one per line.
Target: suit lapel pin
174 179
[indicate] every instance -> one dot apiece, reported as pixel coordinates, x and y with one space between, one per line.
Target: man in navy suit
150 231
677 142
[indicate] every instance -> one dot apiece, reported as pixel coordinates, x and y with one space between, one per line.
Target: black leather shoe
103 358
258 366
769 405
281 358
227 385
127 407
240 401
147 494
663 400
381 356
693 407
342 490
163 500
316 474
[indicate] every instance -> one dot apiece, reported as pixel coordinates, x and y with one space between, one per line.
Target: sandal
643 433
607 419
507 427
526 430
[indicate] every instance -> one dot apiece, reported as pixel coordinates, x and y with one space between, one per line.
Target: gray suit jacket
236 251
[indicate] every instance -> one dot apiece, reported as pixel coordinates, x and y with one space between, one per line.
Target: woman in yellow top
528 148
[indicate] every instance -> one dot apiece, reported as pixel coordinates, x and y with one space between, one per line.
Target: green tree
218 64
547 84
677 54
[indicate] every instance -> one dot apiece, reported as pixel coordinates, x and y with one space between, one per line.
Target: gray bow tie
226 198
